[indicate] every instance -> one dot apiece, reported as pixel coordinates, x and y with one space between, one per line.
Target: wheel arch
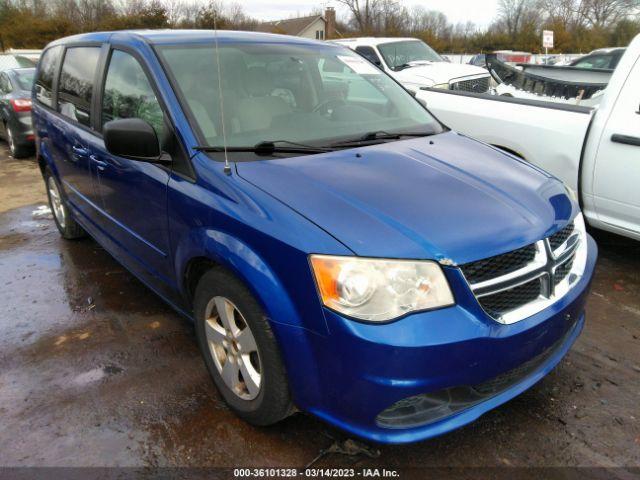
205 249
43 156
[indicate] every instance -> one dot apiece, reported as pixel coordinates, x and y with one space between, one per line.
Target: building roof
290 26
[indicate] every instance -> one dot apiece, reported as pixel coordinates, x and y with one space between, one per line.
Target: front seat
257 110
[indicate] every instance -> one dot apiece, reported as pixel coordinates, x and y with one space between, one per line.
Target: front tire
240 350
67 226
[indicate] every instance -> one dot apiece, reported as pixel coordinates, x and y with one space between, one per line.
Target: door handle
79 151
100 164
625 139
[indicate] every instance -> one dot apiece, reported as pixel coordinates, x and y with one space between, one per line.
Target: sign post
547 43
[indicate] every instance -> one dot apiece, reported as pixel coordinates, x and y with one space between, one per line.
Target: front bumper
363 369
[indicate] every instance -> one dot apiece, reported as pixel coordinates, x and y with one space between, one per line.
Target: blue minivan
339 249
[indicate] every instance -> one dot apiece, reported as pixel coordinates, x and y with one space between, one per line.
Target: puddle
43 211
96 374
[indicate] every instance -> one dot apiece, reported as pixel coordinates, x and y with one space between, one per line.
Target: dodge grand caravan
339 250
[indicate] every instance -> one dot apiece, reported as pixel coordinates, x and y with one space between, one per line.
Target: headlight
379 290
442 85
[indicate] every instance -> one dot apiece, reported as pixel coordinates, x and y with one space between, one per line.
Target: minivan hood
454 198
438 72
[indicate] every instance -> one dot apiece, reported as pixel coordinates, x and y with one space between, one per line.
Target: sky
480 12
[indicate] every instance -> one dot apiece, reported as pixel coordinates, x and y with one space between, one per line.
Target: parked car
510 56
416 65
550 60
593 150
344 254
15 110
606 58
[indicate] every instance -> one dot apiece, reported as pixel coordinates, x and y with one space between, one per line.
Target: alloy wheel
56 202
233 348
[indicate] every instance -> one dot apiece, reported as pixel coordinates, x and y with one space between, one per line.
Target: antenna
227 167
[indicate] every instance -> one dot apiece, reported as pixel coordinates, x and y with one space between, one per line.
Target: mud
95 370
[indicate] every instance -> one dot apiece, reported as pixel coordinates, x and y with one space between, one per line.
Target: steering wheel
325 106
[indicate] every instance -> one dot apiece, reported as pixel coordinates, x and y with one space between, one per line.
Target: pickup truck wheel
67 226
240 350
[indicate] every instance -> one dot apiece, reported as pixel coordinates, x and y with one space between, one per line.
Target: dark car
15 110
604 58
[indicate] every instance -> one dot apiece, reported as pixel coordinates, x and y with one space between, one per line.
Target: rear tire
67 226
17 151
240 350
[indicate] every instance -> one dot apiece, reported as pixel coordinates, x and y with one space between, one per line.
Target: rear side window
5 85
24 78
128 93
46 71
75 87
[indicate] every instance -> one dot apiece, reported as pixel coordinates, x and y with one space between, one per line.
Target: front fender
260 277
297 329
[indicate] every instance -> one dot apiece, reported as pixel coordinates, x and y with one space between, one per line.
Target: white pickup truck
415 65
595 151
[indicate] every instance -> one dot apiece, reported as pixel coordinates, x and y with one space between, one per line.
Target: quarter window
46 71
128 93
75 88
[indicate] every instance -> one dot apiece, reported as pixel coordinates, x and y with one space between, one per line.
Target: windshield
400 54
25 78
272 92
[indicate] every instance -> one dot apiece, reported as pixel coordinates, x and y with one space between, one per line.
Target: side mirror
414 94
132 138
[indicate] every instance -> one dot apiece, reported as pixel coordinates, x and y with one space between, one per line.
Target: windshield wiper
266 148
397 68
379 135
414 63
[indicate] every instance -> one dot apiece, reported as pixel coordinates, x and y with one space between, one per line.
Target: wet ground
95 370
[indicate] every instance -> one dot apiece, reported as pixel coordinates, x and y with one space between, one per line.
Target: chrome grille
520 283
474 85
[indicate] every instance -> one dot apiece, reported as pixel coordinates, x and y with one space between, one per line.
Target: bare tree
430 21
511 14
564 12
604 13
369 16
